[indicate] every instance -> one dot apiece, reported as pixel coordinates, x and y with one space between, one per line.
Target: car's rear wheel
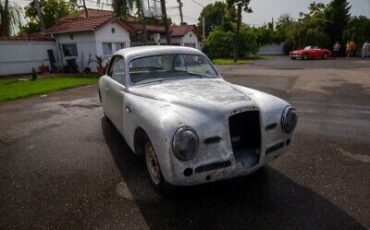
107 118
325 56
154 170
305 56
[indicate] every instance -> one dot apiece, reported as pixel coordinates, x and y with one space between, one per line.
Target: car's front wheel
305 56
154 171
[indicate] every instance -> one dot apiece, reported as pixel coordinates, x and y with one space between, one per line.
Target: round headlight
289 120
185 144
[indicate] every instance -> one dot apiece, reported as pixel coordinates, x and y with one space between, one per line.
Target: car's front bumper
226 167
296 55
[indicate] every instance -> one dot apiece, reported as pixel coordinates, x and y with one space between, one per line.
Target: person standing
336 49
348 49
353 48
365 49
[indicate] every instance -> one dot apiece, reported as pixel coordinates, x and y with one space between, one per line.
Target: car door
317 53
115 91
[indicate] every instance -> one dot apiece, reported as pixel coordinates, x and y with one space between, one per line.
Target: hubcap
152 164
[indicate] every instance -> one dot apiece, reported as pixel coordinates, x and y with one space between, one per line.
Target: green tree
284 26
358 30
337 18
247 42
122 7
220 42
240 5
265 35
216 14
51 11
309 30
10 18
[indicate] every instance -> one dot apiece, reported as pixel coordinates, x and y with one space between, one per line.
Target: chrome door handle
128 109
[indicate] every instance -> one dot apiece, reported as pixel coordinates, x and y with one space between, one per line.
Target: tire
100 97
160 185
325 56
305 56
293 58
107 119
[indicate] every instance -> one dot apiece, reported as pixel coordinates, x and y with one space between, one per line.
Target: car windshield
170 66
311 47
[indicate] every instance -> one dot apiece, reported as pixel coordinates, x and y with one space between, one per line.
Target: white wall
190 37
156 37
274 49
19 57
105 35
90 44
86 47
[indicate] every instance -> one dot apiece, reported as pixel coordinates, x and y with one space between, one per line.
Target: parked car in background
172 106
310 52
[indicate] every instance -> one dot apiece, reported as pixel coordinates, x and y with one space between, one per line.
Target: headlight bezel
175 150
288 128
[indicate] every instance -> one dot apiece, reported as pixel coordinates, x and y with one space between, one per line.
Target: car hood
193 92
297 51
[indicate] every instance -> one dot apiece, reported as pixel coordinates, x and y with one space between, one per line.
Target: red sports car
310 52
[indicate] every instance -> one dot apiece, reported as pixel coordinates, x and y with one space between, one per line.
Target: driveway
62 166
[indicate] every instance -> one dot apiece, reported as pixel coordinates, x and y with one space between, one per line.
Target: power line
197 3
99 3
180 9
189 17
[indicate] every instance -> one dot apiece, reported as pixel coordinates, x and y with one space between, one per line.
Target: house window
190 45
69 50
119 46
107 49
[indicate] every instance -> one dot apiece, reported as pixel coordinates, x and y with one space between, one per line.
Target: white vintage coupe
171 105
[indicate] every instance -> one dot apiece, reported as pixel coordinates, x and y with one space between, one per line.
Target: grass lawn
221 61
11 89
246 60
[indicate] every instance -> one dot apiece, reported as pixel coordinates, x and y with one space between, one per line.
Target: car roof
142 51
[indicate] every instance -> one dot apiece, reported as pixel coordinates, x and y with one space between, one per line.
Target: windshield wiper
151 80
199 75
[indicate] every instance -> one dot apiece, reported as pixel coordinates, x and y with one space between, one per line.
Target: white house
76 40
183 35
80 39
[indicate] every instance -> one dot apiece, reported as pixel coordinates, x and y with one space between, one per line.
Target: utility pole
165 21
236 42
37 5
204 28
142 17
85 9
180 9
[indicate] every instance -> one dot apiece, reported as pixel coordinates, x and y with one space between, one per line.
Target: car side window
179 63
117 69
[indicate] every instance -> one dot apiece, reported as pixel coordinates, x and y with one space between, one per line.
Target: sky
263 10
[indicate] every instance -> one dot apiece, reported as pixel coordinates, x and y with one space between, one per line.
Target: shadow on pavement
264 200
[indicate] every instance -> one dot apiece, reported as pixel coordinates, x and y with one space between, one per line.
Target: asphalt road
62 166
